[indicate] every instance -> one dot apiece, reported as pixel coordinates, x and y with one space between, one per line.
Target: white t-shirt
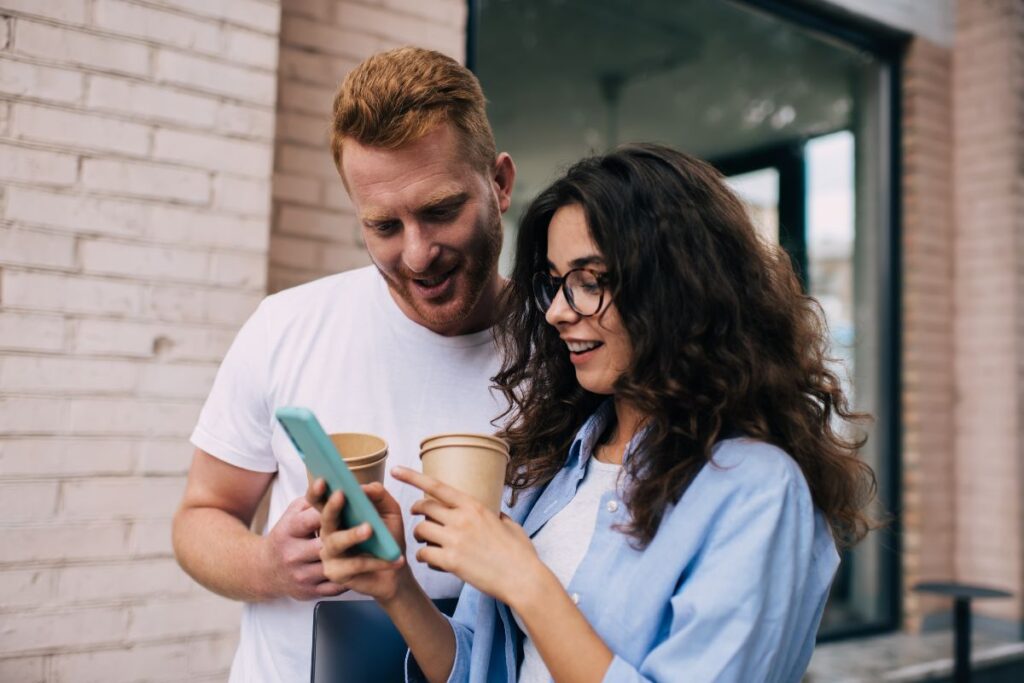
562 544
341 347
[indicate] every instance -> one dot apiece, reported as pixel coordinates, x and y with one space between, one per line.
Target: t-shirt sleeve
235 423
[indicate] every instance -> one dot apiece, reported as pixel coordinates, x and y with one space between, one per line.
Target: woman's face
598 345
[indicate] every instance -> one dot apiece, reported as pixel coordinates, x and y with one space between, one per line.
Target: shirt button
575 598
613 505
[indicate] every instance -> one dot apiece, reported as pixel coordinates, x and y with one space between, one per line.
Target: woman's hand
343 564
489 551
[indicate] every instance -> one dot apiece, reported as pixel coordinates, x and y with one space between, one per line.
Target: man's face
432 225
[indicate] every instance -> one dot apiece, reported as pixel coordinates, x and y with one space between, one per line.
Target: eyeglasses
583 289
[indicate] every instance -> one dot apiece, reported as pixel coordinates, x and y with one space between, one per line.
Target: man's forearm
221 553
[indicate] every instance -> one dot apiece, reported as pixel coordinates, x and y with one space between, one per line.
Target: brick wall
135 167
314 228
988 191
928 513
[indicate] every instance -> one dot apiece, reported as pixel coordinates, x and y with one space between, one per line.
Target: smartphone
324 462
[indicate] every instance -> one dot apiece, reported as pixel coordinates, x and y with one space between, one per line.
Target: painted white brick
163 380
68 628
75 213
214 152
31 332
74 47
23 669
150 101
49 292
156 663
143 261
71 11
42 82
183 226
247 120
71 129
212 654
241 195
63 541
151 537
166 457
46 374
132 417
169 28
297 31
31 415
27 501
37 166
231 308
25 588
295 189
115 217
146 180
32 248
306 162
311 99
110 337
239 270
166 619
248 47
5 32
62 457
176 304
224 79
123 580
115 497
260 15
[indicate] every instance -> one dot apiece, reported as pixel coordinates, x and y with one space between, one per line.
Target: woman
678 478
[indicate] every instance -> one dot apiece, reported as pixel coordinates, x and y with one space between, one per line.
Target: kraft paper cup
473 463
365 454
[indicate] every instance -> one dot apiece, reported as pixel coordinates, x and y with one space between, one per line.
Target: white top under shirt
561 545
341 347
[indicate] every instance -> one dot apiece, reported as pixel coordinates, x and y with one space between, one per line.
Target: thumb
304 521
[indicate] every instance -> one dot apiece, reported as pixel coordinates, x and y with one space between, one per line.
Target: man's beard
475 269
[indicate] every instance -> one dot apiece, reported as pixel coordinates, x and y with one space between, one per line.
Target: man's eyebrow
443 200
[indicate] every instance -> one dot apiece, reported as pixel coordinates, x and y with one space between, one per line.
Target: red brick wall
928 378
988 178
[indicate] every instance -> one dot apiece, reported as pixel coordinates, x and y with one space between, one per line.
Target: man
402 350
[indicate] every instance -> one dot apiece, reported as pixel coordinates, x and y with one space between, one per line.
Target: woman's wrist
406 589
533 588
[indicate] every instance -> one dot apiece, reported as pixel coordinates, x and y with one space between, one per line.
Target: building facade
164 165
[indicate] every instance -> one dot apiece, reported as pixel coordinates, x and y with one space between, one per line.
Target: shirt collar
587 436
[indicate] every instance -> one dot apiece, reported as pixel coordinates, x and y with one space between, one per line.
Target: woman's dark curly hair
724 341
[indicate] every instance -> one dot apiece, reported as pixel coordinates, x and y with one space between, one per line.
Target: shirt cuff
203 440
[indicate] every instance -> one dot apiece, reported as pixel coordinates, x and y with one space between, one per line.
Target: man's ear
504 178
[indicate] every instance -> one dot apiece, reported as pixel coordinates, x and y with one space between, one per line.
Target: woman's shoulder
749 466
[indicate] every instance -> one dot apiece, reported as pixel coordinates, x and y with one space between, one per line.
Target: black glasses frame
546 286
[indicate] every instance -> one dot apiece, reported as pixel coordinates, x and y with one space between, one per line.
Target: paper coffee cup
473 463
365 454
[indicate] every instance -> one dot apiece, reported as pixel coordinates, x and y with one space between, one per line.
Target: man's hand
291 555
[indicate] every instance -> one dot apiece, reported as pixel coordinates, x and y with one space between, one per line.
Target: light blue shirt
730 590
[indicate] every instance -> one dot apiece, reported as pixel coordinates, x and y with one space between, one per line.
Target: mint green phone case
323 461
